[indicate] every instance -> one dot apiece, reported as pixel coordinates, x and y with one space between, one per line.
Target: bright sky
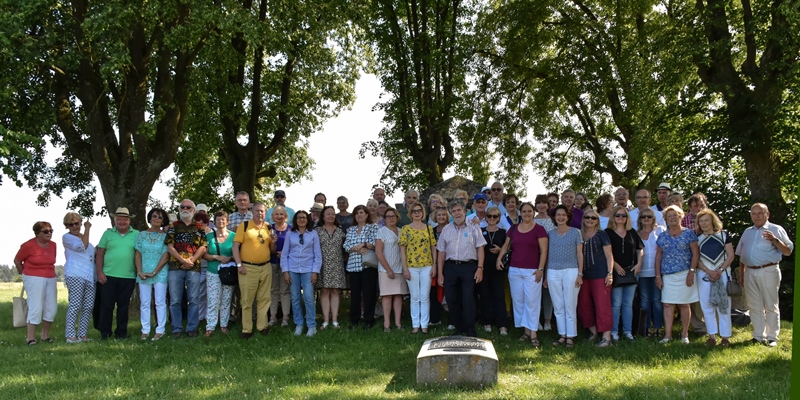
338 172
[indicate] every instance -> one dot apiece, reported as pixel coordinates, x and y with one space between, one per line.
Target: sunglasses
46 231
590 217
416 211
186 207
646 217
621 215
74 224
492 216
497 189
301 239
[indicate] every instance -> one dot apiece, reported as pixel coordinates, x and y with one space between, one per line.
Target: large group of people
492 263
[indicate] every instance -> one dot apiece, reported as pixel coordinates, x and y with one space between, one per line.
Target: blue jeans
303 280
179 279
622 300
650 297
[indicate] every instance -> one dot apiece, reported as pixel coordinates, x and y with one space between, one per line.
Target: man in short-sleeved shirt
242 212
116 274
280 200
253 246
460 267
186 244
760 252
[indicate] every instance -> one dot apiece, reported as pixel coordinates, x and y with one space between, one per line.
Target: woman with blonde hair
627 249
79 276
594 298
716 255
676 260
417 255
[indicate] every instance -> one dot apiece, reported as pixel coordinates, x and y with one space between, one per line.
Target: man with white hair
760 252
186 244
496 198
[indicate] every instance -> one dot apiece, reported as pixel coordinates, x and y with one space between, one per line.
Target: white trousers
42 298
526 297
145 294
565 299
711 312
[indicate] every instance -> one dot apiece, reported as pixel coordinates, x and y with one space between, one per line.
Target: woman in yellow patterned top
417 253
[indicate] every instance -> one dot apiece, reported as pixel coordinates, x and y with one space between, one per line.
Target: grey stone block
457 360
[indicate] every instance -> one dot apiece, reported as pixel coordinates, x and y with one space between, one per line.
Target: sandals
32 342
224 329
570 343
324 326
604 343
535 342
593 337
48 340
208 333
336 325
560 341
524 338
156 337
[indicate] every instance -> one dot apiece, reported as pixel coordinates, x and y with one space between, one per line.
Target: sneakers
298 331
311 332
685 340
285 322
272 322
664 340
629 336
615 337
487 328
772 343
547 326
451 327
503 332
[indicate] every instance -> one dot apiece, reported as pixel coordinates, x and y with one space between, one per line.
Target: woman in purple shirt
528 243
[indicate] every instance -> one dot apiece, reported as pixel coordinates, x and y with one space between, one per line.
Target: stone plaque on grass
457 360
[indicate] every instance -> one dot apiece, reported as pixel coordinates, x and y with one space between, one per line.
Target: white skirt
675 290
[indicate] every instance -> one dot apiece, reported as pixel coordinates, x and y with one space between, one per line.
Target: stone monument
457 360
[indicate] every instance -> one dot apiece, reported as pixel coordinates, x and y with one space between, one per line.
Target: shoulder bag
733 288
20 309
228 276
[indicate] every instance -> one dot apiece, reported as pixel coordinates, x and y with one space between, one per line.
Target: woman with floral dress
151 272
331 277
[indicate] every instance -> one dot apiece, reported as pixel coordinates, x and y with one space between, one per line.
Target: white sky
338 172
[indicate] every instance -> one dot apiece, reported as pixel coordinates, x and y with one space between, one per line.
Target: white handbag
20 310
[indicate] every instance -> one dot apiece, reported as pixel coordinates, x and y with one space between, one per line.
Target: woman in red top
36 261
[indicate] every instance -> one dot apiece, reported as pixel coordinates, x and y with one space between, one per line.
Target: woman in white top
390 269
79 276
649 293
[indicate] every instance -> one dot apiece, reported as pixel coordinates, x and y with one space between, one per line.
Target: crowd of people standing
497 262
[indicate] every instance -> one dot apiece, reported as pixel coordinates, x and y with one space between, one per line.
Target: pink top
525 246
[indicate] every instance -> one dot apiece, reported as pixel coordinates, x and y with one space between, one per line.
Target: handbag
228 276
369 259
20 309
733 288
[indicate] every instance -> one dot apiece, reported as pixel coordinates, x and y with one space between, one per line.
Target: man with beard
186 244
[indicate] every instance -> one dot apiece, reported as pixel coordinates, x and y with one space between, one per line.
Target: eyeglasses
416 211
621 215
646 217
77 223
183 207
389 216
497 189
492 216
157 216
46 231
590 217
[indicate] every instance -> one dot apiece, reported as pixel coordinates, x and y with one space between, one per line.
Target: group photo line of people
551 264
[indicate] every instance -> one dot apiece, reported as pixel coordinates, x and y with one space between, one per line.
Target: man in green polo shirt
116 273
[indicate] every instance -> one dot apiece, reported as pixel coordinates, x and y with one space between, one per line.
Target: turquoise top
151 246
225 249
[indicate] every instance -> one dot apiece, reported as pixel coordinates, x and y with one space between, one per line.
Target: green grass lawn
372 364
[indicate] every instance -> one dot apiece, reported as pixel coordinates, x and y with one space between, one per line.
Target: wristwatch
691 269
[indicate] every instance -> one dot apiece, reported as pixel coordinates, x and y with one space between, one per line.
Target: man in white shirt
643 203
496 198
480 204
760 251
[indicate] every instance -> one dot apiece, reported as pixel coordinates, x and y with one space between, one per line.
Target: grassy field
372 364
